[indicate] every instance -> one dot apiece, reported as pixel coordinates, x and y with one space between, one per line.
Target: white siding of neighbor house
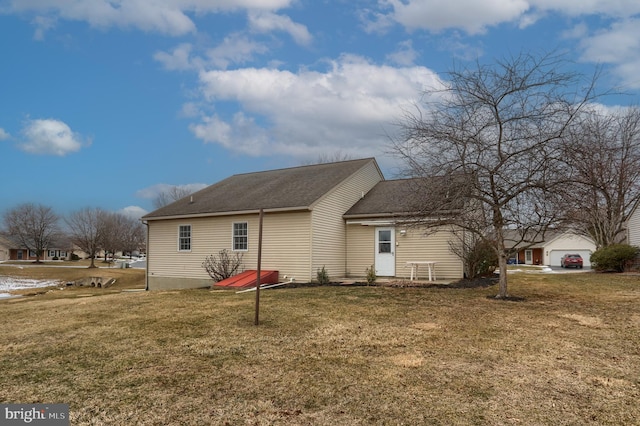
633 228
568 243
329 238
286 247
414 245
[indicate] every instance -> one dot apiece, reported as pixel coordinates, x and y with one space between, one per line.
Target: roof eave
229 213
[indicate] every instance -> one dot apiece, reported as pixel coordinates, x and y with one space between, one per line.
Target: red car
574 260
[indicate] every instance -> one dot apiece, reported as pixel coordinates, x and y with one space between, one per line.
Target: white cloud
242 134
302 114
3 134
615 8
618 45
234 49
133 212
473 16
42 24
50 137
620 41
179 59
266 22
164 16
405 55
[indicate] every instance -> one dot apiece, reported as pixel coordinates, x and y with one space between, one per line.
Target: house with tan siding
381 233
306 226
633 226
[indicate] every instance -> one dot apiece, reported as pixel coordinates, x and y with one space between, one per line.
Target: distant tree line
37 228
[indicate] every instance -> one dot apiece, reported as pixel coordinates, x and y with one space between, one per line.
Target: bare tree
329 158
114 229
133 235
86 229
603 157
34 226
223 265
499 128
171 194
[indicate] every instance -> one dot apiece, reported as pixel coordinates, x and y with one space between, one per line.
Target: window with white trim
184 238
240 236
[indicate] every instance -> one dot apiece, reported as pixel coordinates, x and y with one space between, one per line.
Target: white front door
528 257
385 252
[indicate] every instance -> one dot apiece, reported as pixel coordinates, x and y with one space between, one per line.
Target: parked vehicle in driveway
571 260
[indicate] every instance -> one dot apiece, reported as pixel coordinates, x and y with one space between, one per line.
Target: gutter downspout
146 266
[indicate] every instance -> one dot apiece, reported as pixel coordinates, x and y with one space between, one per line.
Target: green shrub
481 259
371 275
616 257
322 276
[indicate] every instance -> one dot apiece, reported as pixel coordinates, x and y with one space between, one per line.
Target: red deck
249 279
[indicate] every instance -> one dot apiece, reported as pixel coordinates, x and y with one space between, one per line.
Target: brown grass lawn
567 354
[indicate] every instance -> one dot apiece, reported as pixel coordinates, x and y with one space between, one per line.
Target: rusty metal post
257 317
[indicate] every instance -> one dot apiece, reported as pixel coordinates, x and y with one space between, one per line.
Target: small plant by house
323 276
223 265
370 274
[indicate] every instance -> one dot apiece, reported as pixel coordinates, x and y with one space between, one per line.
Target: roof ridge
304 166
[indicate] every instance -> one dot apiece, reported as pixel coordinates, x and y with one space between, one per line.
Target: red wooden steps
249 279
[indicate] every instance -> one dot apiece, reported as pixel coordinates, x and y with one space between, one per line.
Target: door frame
385 262
528 257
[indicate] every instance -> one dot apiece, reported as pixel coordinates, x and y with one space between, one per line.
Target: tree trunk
502 284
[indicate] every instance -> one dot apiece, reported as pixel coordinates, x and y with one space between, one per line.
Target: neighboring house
314 216
5 246
633 226
555 245
12 250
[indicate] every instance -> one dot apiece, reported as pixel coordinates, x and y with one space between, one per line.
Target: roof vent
191 200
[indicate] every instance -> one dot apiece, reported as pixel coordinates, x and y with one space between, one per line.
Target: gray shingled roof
387 198
297 187
398 198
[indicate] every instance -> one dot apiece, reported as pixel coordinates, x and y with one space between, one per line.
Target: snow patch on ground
10 283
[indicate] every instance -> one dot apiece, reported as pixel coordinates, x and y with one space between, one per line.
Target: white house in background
341 216
555 245
633 226
568 243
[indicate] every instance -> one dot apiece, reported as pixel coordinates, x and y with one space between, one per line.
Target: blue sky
102 102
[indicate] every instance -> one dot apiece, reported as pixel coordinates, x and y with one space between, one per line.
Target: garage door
556 255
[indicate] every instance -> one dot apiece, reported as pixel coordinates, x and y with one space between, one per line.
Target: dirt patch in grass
332 355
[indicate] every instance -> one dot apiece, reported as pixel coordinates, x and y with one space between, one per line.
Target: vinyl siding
285 245
633 227
414 245
360 249
417 245
569 243
328 227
